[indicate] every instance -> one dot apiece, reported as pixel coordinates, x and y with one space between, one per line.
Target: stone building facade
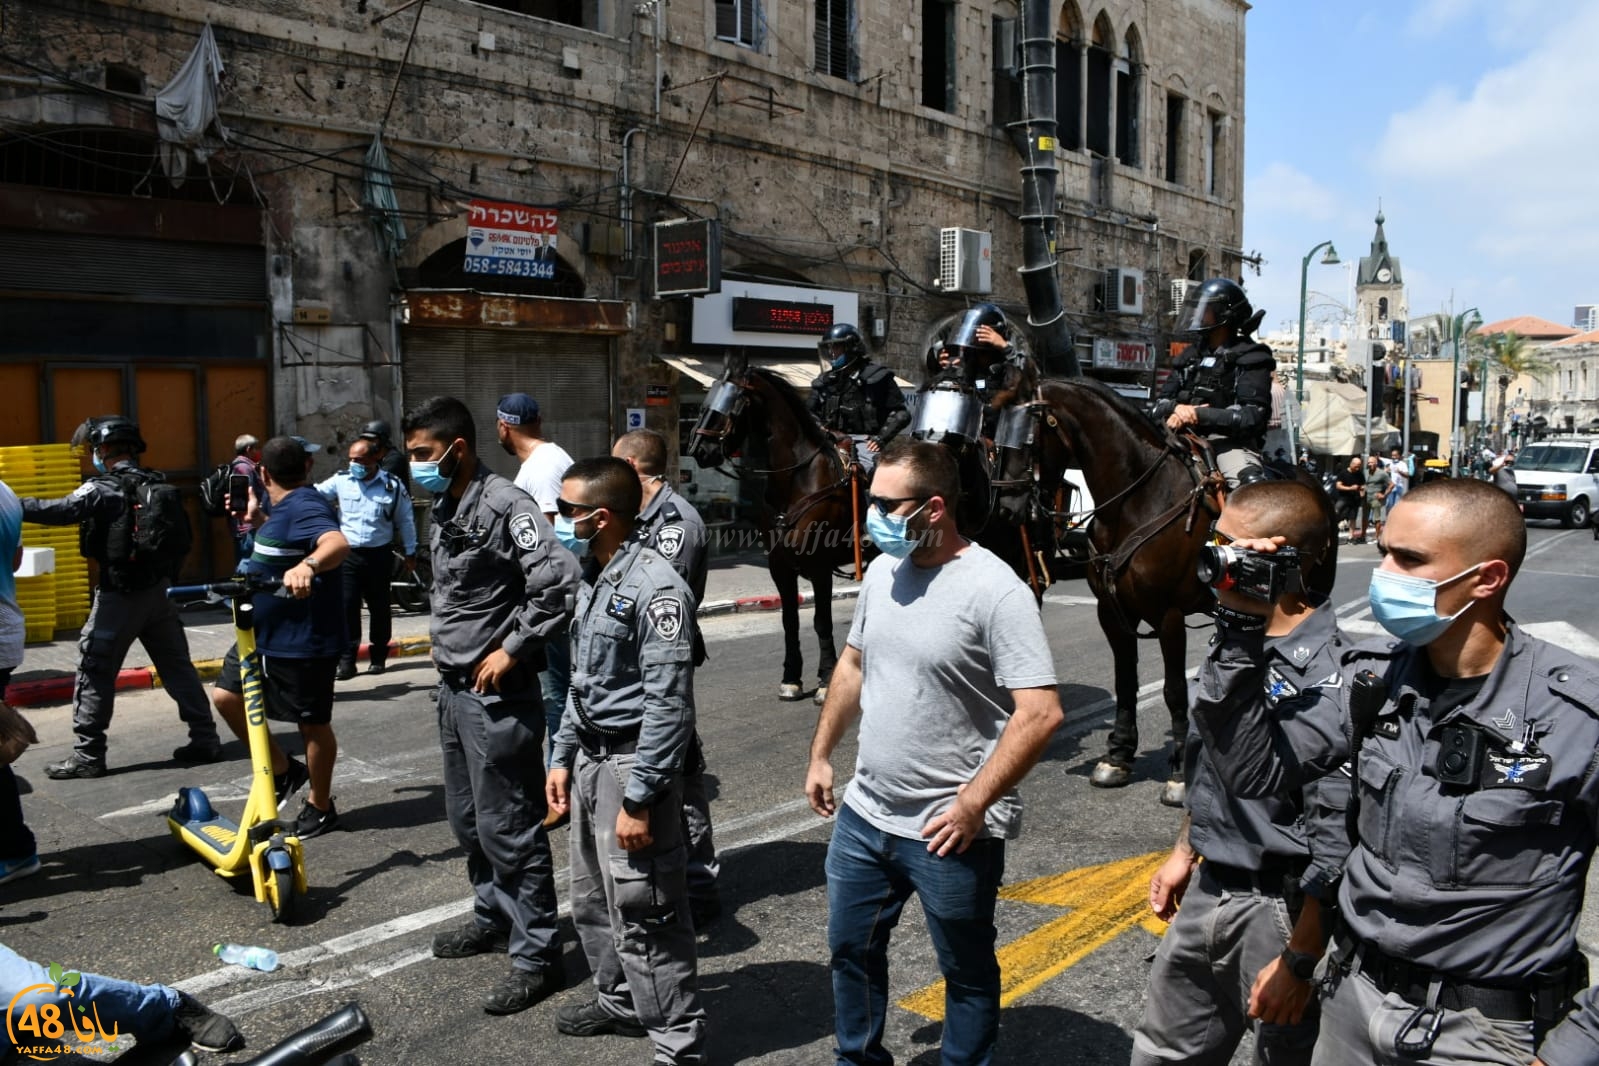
279 288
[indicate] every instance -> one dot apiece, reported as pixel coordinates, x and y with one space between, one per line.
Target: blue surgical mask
1407 606
99 463
839 360
889 531
566 533
431 475
359 471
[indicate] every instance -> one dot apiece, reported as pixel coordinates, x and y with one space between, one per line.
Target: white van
1559 478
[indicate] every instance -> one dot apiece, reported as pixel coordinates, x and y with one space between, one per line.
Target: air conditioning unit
1182 290
965 260
1124 290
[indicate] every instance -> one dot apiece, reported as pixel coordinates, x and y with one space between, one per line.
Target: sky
1473 121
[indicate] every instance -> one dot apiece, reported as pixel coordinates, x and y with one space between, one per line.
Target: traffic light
1467 382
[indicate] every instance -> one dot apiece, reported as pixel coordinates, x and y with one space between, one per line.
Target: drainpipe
1040 272
626 205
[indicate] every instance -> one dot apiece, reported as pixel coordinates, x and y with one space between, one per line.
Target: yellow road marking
1105 901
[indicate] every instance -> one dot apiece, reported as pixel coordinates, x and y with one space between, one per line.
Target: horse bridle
721 439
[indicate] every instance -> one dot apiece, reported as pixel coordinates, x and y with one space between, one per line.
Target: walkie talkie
1367 696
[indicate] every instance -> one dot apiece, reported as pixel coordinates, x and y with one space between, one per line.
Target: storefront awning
797 372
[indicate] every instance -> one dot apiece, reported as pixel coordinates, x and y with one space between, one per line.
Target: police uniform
130 604
672 528
1261 858
862 400
1231 386
1477 805
500 580
627 731
374 512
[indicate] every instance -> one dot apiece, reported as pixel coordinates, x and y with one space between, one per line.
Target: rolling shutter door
567 373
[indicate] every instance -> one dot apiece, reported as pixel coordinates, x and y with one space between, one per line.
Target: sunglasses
886 504
1218 538
568 509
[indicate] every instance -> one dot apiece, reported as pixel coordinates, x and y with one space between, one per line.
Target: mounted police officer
1475 795
131 602
618 767
978 350
671 526
1220 386
856 396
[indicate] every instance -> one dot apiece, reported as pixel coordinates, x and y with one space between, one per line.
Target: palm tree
1511 355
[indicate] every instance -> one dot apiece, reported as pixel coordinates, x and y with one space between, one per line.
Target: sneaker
376 666
72 766
291 780
197 752
590 1019
470 939
346 670
204 1027
554 820
16 869
520 990
313 823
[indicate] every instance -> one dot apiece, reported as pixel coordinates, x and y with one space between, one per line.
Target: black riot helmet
376 431
984 314
1219 302
841 346
112 434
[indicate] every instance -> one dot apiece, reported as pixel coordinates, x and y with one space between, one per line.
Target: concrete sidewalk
734 583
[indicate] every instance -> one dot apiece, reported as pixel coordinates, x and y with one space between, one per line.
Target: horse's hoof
1174 794
789 693
1109 775
821 695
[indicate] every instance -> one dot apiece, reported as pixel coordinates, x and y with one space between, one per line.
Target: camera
1258 575
238 493
1461 749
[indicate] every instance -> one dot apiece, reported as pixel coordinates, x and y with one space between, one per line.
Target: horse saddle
1201 455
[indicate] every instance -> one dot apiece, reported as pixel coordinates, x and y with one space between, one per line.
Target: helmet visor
1204 313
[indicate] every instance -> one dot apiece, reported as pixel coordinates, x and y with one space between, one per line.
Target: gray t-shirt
940 648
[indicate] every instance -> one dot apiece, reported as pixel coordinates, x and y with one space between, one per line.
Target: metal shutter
131 267
567 373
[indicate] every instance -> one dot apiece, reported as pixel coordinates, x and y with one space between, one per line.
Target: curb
57 688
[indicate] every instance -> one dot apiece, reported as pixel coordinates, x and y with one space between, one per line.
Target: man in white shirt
544 463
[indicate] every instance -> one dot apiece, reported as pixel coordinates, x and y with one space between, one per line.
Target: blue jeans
870 875
145 1011
554 680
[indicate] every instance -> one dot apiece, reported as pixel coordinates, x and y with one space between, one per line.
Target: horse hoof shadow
1109 775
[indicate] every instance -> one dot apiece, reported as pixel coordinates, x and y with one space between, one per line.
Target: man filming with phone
1475 798
1270 863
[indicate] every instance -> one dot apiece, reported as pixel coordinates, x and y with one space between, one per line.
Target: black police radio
1258 575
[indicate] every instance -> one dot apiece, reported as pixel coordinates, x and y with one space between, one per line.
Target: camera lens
1214 562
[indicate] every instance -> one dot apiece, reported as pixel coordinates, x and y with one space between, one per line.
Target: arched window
1069 77
1101 57
1382 309
1129 99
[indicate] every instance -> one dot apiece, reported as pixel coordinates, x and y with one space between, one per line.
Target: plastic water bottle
263 959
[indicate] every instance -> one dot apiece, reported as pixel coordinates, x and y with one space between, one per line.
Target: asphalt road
119 896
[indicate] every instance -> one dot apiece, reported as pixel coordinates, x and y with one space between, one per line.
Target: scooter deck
215 835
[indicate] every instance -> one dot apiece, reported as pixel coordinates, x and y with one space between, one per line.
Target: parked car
1559 478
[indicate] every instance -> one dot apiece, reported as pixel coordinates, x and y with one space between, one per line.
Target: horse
810 506
1153 513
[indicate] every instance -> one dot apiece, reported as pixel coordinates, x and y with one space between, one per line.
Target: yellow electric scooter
258 844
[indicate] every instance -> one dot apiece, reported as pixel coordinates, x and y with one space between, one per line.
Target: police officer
979 348
1476 795
1220 386
671 526
391 460
501 586
130 604
618 767
856 396
1269 863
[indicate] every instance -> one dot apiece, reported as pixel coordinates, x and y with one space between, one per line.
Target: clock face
1385 274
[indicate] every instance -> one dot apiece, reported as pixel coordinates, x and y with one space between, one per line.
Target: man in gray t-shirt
948 668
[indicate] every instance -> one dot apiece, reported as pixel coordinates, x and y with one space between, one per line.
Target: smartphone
238 493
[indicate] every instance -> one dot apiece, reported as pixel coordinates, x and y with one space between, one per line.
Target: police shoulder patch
665 613
84 489
524 531
669 540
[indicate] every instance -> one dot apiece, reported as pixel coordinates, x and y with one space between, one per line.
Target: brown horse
1152 514
808 521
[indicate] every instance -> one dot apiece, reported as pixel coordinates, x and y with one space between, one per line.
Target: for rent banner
515 240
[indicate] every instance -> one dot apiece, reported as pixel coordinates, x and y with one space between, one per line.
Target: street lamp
1330 259
1456 437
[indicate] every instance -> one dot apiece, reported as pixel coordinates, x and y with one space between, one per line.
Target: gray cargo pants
494 799
1196 1009
115 621
1359 1023
631 911
703 864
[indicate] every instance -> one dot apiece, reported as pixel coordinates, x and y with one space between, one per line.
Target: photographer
1475 799
1269 863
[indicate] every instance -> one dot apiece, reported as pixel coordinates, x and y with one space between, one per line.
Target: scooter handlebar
316 1043
238 585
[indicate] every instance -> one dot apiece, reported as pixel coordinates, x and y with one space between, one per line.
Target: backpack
152 532
214 490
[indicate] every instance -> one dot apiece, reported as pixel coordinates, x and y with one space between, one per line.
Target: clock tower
1380 293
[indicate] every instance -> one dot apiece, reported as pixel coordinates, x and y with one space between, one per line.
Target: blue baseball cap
517 409
310 449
